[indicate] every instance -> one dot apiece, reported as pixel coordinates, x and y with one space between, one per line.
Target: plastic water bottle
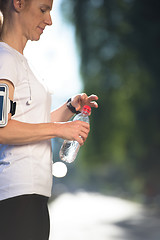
69 149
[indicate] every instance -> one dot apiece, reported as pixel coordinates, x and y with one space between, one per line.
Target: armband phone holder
6 105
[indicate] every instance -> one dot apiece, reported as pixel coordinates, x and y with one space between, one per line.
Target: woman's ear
18 5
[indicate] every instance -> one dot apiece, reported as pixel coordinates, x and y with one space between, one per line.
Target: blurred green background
118 42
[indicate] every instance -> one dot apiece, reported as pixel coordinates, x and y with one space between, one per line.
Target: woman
25 148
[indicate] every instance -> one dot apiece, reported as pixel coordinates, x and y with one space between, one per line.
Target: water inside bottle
69 151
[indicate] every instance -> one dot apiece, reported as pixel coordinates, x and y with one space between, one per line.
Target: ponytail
1 21
1 14
6 11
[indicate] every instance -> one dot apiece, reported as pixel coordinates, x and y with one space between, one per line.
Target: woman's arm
19 133
63 114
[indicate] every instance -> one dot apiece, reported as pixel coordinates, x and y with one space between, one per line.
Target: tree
118 42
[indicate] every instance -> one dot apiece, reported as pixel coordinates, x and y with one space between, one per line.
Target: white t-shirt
25 169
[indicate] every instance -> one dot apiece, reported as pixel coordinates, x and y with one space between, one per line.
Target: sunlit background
110 48
55 59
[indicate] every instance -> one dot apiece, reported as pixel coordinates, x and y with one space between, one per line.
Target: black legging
24 217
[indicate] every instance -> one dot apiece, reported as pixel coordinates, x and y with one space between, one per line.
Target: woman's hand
76 130
80 100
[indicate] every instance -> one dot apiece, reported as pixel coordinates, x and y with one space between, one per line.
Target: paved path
91 216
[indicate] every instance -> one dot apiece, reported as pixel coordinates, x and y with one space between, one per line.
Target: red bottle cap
87 108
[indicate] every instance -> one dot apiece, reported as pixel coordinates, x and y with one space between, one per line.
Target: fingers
83 136
91 100
80 100
80 131
81 140
93 97
84 97
76 130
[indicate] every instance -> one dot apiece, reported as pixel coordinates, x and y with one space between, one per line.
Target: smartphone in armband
6 105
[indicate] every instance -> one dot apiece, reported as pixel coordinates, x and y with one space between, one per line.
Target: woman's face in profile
35 17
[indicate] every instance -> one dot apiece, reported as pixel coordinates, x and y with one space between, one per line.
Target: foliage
119 46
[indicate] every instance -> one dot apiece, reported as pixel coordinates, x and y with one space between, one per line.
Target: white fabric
25 169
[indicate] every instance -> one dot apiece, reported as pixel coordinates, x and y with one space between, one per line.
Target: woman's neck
13 38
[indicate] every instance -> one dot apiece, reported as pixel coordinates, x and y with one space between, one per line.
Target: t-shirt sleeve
8 67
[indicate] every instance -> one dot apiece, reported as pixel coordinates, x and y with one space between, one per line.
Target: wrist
71 107
56 126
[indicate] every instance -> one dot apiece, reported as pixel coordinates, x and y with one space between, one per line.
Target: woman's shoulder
6 54
8 64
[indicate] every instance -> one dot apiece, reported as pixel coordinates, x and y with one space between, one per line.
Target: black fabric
13 107
24 217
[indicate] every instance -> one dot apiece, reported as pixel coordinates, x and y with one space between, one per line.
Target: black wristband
71 108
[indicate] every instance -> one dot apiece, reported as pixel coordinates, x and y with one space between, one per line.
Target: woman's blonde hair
4 10
1 20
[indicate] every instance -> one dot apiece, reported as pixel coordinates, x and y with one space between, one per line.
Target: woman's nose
48 20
